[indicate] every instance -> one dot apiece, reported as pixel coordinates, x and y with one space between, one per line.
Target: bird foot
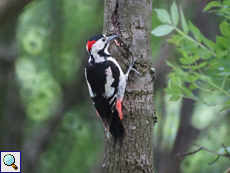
131 68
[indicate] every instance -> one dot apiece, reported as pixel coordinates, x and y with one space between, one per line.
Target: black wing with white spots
103 80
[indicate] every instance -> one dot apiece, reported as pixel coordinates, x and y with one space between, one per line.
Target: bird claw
136 71
131 68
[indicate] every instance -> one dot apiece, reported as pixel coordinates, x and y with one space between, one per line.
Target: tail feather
116 128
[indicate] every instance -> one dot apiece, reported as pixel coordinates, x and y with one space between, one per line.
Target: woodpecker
106 83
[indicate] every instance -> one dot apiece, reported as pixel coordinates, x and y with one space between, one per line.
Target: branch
227 154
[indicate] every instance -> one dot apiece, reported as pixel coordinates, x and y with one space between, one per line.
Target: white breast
109 81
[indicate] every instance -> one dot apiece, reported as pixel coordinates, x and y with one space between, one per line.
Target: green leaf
220 54
203 64
176 40
196 32
224 108
189 45
169 64
212 4
227 102
222 43
188 60
173 90
192 86
226 2
209 43
193 78
163 16
162 30
176 80
225 29
169 91
203 53
194 67
183 22
223 11
185 66
174 98
174 85
187 91
174 66
176 89
174 13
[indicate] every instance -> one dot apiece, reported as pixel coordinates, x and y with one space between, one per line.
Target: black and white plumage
106 83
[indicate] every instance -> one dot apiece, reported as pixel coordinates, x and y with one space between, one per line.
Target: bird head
99 44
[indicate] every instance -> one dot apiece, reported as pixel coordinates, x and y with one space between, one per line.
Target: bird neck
99 56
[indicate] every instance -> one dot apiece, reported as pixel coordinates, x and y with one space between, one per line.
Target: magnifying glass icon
9 160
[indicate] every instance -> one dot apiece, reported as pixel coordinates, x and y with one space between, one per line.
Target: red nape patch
119 107
90 44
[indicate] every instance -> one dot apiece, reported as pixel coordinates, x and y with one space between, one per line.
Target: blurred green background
51 36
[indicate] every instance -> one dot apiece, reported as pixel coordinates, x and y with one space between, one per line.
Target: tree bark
132 21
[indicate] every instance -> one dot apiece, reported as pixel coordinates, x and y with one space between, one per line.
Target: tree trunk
132 21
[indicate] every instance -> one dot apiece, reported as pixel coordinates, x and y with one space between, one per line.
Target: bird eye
103 39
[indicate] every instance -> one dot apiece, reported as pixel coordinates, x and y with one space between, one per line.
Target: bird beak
110 38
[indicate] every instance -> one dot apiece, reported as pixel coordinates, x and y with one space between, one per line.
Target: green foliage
52 36
169 120
49 50
76 147
174 14
39 91
212 4
162 30
205 65
163 16
210 139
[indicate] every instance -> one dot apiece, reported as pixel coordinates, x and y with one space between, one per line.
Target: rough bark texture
132 21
